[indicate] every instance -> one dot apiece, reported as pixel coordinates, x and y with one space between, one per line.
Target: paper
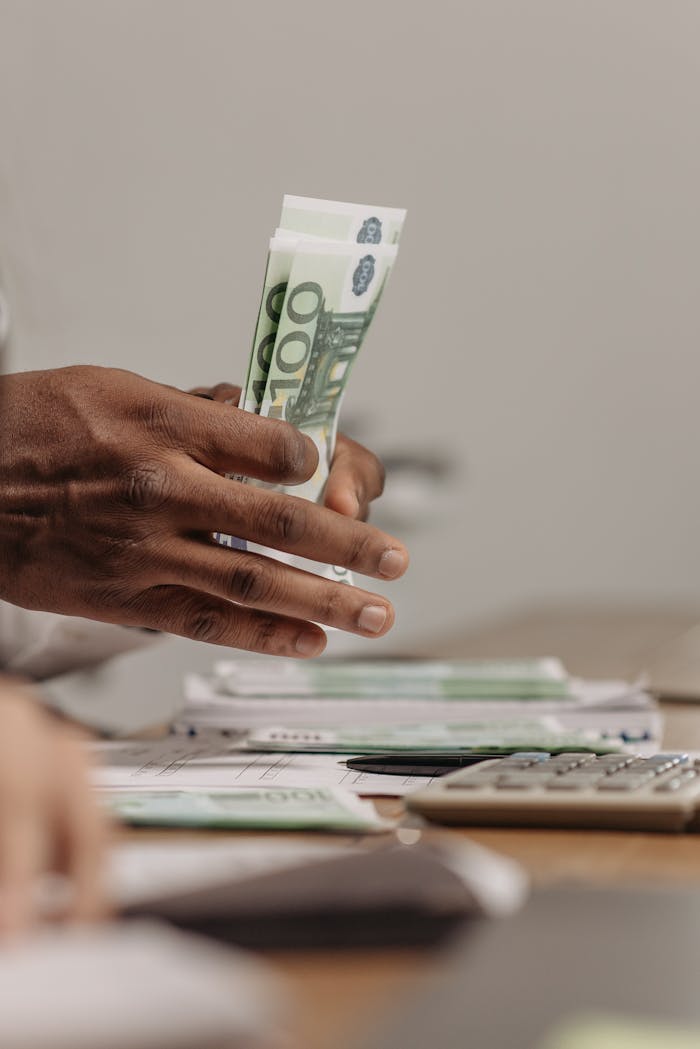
139 872
135 985
181 763
605 707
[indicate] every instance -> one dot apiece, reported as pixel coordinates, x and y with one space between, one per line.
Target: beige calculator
612 791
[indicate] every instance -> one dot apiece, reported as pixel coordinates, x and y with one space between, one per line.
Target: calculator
612 791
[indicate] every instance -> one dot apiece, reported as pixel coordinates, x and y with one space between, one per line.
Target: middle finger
284 522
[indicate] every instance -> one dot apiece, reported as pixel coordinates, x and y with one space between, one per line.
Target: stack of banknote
279 808
449 679
327 268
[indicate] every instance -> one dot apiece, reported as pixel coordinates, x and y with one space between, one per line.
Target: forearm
40 645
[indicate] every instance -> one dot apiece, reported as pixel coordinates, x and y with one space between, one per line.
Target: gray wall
542 324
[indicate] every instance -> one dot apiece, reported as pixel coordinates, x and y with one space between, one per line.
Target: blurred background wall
541 331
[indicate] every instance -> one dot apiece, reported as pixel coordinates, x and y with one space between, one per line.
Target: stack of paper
269 726
514 695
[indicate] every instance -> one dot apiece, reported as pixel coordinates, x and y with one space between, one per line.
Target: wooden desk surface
335 989
338 991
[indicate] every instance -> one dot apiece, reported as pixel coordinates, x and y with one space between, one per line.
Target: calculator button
622 782
580 776
662 766
611 764
484 777
515 766
559 765
682 779
571 782
531 755
675 759
520 782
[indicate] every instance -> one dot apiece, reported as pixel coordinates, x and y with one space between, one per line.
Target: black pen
418 762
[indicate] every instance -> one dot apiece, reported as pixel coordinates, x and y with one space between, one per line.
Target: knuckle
207 623
332 607
288 520
359 549
146 486
288 452
266 635
248 582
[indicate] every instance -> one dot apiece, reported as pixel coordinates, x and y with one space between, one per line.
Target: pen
418 762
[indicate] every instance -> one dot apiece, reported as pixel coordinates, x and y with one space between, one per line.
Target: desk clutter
266 743
257 751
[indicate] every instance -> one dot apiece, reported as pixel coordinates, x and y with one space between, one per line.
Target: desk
336 989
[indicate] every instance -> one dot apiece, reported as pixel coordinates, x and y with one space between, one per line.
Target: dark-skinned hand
110 488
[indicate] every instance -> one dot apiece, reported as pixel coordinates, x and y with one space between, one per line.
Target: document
134 985
210 701
182 763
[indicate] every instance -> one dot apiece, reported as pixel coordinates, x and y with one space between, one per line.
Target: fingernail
372 618
392 563
309 644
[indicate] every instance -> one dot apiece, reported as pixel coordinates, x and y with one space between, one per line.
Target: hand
356 476
110 489
49 820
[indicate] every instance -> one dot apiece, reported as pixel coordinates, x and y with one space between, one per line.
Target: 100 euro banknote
308 217
284 808
327 267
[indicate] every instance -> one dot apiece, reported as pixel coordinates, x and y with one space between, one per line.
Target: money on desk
543 733
327 268
519 679
297 808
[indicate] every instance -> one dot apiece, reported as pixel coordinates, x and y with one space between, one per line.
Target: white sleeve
40 645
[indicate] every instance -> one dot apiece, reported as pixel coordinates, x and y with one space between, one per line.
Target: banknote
543 733
332 294
314 219
327 267
522 679
298 808
279 266
336 220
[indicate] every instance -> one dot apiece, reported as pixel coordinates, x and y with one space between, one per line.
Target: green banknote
307 217
279 266
332 294
518 679
336 220
311 322
299 808
496 736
